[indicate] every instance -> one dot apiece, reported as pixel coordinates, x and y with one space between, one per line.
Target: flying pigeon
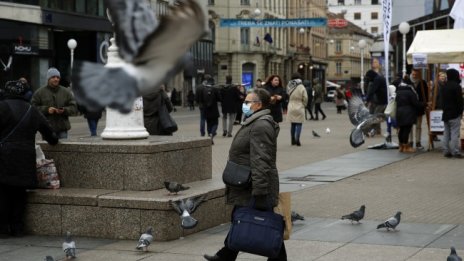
356 215
315 135
295 216
49 258
145 240
453 255
174 187
185 207
69 246
7 66
361 118
391 222
152 53
327 131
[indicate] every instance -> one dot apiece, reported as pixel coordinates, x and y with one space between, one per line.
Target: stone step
122 214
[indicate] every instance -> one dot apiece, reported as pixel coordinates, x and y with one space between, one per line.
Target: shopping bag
47 176
391 109
284 208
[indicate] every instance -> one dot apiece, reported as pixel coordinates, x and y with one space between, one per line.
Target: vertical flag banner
457 13
387 17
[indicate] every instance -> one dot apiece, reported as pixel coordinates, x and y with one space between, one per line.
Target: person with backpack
209 97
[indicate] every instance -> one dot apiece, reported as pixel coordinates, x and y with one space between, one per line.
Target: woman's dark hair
263 95
270 78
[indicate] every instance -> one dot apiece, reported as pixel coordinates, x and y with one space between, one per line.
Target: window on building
375 2
338 68
374 30
245 2
338 46
357 16
245 36
357 2
341 2
374 15
210 2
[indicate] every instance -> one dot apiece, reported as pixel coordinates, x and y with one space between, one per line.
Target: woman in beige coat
297 101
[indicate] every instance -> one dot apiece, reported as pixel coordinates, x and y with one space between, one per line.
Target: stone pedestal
114 189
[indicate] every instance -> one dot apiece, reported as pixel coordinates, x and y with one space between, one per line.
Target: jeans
202 121
92 126
228 118
418 130
212 125
295 130
451 136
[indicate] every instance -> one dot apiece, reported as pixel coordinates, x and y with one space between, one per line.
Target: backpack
208 98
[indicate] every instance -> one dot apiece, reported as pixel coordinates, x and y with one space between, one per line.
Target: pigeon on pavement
186 207
453 255
361 118
174 187
145 240
391 222
315 135
295 216
69 246
152 53
356 215
49 258
327 131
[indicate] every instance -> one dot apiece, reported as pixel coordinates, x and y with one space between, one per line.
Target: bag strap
17 125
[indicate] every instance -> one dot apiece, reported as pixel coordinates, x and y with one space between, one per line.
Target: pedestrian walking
255 146
318 99
340 99
298 99
151 106
191 100
309 90
229 97
174 97
201 104
19 123
92 118
421 89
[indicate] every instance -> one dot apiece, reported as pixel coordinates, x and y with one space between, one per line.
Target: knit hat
53 72
16 88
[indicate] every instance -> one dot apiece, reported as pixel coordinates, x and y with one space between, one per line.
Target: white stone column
123 126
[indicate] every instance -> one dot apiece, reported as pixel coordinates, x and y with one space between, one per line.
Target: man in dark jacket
451 95
422 91
229 98
309 106
19 123
377 97
56 103
207 97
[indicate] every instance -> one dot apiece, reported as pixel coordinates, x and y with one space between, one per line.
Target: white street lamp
404 29
257 12
72 44
362 44
302 30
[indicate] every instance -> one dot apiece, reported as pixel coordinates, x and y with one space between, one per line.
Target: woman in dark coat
19 123
255 145
151 105
274 86
407 108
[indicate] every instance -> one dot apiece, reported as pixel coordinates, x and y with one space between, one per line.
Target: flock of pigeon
390 223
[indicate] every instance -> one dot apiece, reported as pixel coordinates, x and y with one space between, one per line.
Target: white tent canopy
440 46
332 84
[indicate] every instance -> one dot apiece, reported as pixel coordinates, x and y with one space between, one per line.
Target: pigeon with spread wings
153 53
361 118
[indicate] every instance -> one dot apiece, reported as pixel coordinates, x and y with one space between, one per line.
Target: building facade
366 14
307 46
35 33
243 52
344 53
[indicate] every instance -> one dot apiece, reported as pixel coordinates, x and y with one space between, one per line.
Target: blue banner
298 22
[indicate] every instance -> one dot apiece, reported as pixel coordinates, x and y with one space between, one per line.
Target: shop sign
25 49
338 23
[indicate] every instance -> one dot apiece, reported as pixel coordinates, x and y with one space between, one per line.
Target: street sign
301 22
337 23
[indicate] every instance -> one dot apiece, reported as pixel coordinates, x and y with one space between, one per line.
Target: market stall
436 47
